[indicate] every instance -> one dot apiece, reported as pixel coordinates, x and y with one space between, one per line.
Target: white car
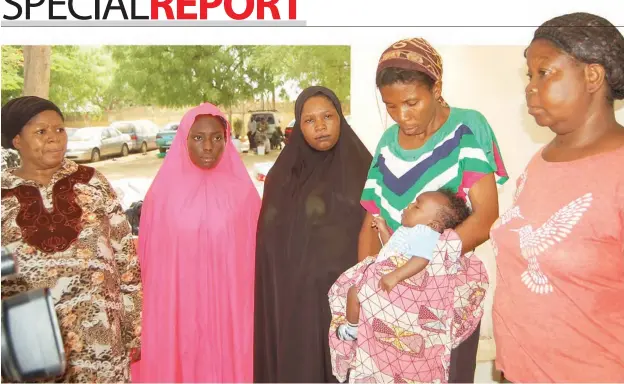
93 143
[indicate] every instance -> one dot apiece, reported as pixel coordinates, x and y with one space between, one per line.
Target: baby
422 224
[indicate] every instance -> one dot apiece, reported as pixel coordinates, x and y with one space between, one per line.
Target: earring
532 90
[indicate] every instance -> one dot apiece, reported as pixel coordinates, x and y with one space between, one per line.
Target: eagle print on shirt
533 242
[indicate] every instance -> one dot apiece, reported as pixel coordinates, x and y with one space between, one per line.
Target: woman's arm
484 199
368 244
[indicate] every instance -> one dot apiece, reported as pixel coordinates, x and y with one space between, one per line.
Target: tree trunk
37 70
244 132
273 96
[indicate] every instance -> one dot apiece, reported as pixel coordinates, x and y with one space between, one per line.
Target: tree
79 77
179 76
84 79
310 65
12 72
284 95
37 70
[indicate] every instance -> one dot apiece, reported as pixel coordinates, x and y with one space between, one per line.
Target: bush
238 127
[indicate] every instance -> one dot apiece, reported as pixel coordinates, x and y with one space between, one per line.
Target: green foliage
12 72
78 78
308 65
238 127
178 76
95 79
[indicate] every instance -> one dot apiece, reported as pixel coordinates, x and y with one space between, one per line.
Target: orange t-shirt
559 302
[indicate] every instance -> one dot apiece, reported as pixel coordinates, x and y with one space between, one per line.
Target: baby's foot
347 332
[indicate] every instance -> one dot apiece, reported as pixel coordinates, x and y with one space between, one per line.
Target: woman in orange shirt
558 307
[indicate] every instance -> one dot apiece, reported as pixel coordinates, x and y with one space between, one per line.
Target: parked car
170 127
164 138
291 125
93 143
273 126
142 132
271 118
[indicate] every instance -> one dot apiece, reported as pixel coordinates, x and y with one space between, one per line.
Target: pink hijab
196 248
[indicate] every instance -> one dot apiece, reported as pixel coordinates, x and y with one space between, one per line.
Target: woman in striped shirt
432 146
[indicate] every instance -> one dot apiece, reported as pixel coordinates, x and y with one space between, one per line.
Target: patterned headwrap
17 112
414 54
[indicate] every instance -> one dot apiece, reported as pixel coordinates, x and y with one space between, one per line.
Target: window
125 128
113 132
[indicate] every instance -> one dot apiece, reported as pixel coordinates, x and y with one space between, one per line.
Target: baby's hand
380 224
388 282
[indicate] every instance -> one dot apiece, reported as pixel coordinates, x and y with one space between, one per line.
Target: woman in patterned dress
432 146
558 306
70 234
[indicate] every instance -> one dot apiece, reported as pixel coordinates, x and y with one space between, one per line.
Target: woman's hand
484 199
368 242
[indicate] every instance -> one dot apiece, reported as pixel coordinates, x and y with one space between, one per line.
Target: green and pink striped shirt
462 151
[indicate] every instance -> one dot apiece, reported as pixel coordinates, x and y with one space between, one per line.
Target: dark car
142 132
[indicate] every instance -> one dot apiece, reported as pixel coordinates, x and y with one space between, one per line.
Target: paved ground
140 166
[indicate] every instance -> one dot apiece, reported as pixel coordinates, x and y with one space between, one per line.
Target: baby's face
424 210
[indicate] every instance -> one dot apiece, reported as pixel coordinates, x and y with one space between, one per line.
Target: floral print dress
72 237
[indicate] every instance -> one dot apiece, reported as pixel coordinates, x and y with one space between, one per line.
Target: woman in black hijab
307 236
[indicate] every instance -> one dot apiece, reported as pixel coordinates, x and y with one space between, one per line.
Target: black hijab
335 179
346 164
307 236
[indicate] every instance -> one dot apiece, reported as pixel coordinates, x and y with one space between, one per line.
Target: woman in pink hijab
197 247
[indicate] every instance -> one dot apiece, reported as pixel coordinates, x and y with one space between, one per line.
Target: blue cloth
418 241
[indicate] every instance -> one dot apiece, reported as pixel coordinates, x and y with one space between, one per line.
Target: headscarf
590 39
298 162
414 54
17 112
199 226
307 236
